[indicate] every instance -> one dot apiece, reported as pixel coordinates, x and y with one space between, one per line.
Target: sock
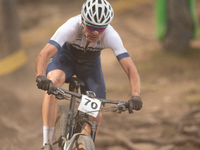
47 135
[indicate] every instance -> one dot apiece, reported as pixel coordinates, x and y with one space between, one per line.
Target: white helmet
97 12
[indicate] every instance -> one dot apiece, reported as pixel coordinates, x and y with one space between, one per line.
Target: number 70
93 104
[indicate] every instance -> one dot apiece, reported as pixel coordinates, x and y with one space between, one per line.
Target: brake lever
59 93
121 107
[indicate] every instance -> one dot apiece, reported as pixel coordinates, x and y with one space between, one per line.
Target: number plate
90 106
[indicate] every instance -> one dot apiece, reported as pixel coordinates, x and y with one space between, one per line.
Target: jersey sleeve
65 33
113 41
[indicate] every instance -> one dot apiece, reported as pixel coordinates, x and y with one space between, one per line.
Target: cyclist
75 49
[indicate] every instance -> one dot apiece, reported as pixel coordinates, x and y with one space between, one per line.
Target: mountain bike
70 123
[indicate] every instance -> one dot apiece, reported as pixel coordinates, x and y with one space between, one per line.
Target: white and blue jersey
74 59
72 33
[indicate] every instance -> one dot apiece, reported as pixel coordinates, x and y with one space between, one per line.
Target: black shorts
85 65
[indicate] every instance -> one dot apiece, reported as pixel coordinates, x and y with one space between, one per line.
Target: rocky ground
170 117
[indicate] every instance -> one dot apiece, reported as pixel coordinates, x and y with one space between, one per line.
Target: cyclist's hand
44 83
135 103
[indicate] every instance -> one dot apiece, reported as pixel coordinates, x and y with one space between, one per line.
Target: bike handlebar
61 90
60 93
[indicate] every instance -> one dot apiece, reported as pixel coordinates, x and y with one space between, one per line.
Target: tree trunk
180 26
9 28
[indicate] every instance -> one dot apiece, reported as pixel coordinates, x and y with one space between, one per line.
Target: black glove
134 103
44 83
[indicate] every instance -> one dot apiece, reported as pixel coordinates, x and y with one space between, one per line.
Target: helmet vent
88 16
93 9
107 14
106 10
95 18
100 12
108 20
102 19
97 12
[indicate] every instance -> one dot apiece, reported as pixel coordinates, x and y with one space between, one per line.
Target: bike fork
93 131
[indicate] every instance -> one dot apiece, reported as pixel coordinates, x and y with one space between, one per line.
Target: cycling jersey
74 59
72 33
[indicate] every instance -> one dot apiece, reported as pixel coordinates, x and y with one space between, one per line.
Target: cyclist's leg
49 108
57 71
92 75
58 78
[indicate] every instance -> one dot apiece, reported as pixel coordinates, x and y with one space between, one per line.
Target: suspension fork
74 86
71 122
93 125
93 130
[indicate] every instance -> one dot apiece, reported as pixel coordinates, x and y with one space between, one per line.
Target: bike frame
74 120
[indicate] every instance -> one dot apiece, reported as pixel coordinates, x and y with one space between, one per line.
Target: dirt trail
170 117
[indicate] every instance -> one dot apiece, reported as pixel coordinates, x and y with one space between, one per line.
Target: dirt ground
170 117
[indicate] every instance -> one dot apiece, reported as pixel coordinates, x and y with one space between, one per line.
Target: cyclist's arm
65 33
43 58
131 71
112 40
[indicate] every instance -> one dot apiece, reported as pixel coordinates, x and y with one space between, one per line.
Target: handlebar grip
38 80
126 104
54 88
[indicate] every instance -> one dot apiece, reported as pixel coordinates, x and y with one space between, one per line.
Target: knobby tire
84 143
60 126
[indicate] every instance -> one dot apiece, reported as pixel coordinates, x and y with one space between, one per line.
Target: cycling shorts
85 65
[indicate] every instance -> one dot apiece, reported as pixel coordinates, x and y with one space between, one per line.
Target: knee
97 119
57 77
57 82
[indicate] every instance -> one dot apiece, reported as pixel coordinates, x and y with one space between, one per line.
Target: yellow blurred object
126 4
12 62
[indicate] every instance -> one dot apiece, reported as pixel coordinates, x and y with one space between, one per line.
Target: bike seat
75 80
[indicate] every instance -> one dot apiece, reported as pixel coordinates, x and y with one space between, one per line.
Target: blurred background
162 39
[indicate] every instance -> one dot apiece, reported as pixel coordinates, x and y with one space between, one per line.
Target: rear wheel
84 142
60 127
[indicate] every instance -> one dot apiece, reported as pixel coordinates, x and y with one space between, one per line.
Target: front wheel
60 127
84 142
